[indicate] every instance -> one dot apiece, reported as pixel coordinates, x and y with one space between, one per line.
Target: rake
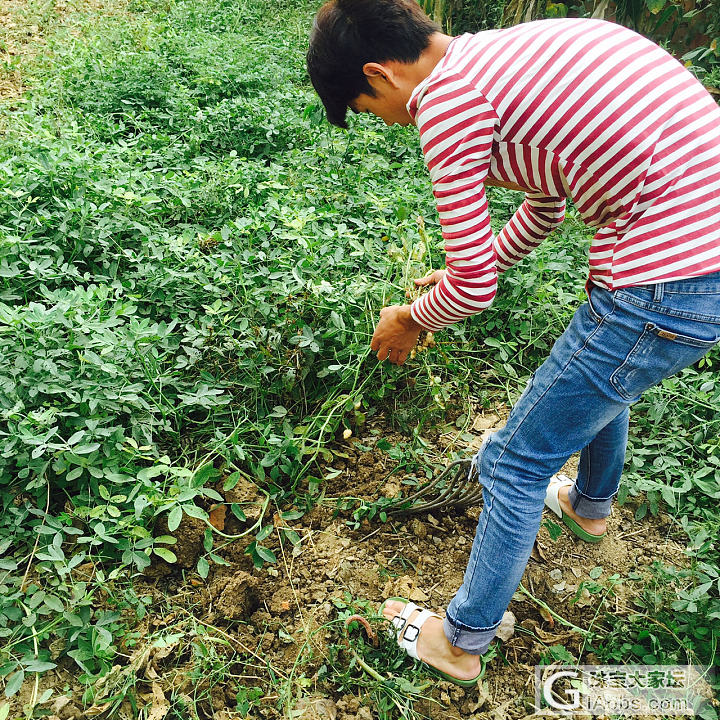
456 486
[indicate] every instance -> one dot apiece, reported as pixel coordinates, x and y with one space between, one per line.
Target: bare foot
435 649
591 525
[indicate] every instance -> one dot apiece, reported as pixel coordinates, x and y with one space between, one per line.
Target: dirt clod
189 536
419 529
315 708
236 596
247 496
281 600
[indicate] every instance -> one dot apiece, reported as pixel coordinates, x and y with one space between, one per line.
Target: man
569 108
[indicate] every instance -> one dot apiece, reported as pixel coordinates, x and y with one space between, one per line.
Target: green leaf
264 533
622 494
208 540
204 474
37 666
266 554
195 511
54 603
668 495
165 554
203 567
74 474
86 449
14 683
4 711
174 518
554 530
231 481
655 6
141 560
292 536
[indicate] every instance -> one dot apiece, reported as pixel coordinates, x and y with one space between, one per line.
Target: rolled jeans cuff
473 641
587 507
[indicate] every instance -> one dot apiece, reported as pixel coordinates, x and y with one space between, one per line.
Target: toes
392 608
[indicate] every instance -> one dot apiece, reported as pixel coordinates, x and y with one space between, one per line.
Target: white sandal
553 502
407 636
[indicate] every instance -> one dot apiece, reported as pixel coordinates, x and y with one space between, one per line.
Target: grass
191 263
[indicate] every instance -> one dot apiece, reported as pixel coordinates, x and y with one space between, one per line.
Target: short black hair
347 34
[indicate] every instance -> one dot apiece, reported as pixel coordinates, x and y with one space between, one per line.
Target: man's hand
395 334
432 279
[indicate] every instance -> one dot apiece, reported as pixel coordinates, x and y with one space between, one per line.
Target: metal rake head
456 486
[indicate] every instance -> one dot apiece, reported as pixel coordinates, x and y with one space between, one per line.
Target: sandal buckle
415 636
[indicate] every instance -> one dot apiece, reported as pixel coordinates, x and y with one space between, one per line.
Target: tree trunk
519 11
442 12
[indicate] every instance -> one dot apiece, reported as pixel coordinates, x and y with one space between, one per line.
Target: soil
24 28
17 39
284 616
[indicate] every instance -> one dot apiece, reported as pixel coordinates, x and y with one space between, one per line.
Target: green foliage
458 16
191 265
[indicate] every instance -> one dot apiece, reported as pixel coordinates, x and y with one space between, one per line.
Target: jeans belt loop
658 292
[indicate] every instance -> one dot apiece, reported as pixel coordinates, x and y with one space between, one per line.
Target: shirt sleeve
533 221
456 125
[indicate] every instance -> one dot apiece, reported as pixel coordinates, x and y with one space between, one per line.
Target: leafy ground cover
195 441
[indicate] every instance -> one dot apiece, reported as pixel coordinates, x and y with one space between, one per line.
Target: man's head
355 46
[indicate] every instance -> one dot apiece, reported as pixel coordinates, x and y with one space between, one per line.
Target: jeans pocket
657 354
599 302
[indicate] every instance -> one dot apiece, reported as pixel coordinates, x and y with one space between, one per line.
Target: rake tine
473 495
438 502
468 495
460 491
463 501
425 489
454 488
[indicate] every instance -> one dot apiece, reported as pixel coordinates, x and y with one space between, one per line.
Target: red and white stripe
569 108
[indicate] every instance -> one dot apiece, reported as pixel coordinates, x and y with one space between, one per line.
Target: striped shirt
569 108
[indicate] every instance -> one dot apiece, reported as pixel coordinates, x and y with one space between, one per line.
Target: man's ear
378 72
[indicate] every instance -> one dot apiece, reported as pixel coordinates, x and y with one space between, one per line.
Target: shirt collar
417 94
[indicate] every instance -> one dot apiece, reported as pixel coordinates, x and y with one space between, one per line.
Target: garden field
199 451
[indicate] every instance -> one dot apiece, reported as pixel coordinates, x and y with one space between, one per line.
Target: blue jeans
617 345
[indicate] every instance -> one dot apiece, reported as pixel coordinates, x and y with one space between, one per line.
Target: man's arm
533 221
456 127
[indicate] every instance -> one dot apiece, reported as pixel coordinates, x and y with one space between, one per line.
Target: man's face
389 107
